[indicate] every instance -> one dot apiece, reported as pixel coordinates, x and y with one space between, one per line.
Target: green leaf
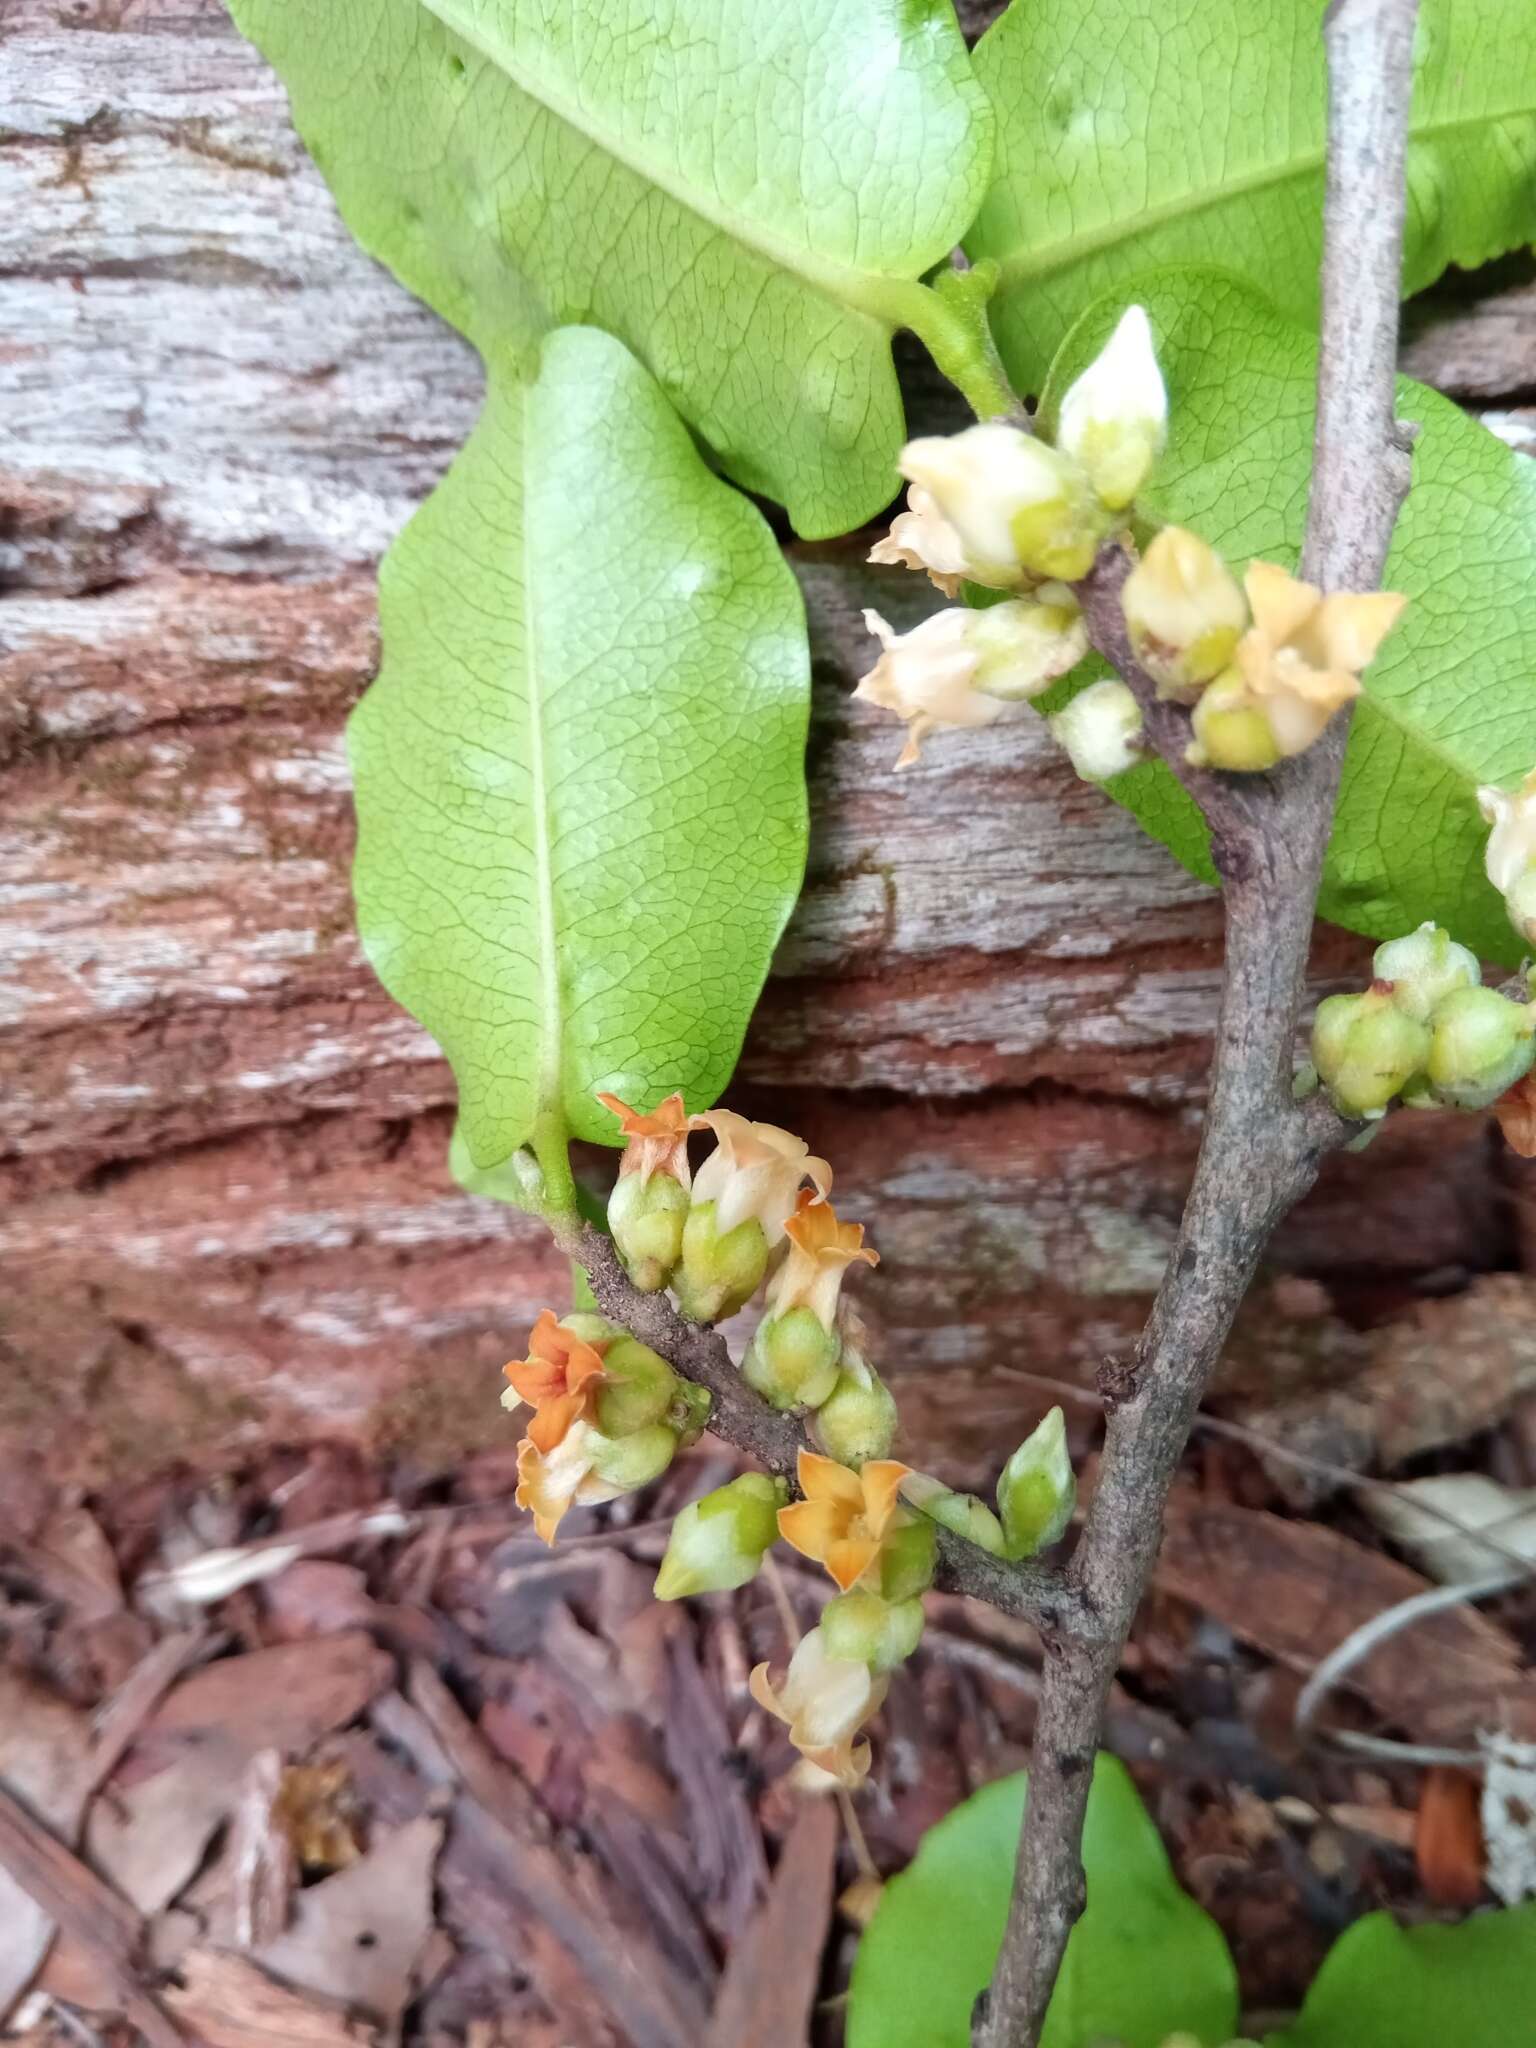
580 793
1143 1961
1451 699
1135 134
1385 1986
744 194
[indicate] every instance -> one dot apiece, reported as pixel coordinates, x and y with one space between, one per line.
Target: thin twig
1034 1592
1260 1151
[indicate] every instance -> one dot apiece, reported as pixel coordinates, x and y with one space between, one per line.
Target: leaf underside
1139 134
580 790
1142 1962
1450 702
743 194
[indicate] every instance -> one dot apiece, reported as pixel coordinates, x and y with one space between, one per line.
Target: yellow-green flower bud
590 1327
1482 1044
906 1558
1185 612
864 1629
1424 968
637 1388
1100 730
719 1273
719 1542
964 1513
1367 1049
625 1462
1114 418
792 1360
1038 1489
1232 729
646 1218
858 1418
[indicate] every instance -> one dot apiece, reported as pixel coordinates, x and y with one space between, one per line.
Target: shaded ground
418 1779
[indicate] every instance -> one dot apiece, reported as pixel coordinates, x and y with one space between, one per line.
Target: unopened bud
1038 1489
964 1513
1185 612
865 1629
858 1418
792 1360
1100 730
1482 1044
1022 509
719 1273
1367 1049
907 1553
1114 418
646 1218
637 1389
1424 968
625 1462
719 1542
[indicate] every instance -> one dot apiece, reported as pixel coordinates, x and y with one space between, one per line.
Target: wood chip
771 1977
229 2003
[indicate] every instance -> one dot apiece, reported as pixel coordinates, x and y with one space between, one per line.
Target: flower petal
825 1479
813 1526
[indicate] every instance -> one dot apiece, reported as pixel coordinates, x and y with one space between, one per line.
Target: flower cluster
1425 1031
609 1414
1000 507
1263 665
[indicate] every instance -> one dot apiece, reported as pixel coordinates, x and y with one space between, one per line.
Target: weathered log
221 1145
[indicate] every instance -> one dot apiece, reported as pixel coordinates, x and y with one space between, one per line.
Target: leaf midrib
881 295
1054 256
550 1021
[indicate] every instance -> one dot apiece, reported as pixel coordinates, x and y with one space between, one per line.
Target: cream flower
964 668
1022 509
755 1170
1296 665
820 1251
1114 419
549 1482
922 538
825 1701
1510 856
845 1516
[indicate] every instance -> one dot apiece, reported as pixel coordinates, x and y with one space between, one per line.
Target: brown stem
1260 1150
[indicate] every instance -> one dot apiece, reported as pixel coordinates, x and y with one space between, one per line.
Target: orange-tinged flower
549 1482
825 1701
845 1516
754 1171
658 1141
559 1378
820 1251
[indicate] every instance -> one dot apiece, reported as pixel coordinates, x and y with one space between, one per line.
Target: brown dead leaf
356 1936
285 1697
45 1761
1516 1112
774 1968
229 2003
148 1835
1448 1840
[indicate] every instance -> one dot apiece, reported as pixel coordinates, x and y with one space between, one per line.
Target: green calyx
637 1390
857 1420
646 1218
1367 1048
1424 968
718 1274
1482 1044
862 1628
792 1360
905 1565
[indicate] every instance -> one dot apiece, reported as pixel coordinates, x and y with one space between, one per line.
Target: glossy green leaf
580 789
1451 699
1135 134
1143 1962
744 194
1385 1986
